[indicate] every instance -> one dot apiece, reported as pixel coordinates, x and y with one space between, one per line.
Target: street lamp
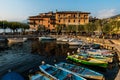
3 28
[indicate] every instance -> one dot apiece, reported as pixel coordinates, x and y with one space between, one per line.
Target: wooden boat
102 58
39 76
100 52
46 38
98 57
82 71
59 74
16 40
87 61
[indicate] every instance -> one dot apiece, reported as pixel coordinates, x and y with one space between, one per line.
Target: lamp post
3 28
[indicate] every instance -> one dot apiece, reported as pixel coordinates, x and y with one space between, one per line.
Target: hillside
115 16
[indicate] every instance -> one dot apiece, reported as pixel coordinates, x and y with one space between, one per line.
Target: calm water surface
27 56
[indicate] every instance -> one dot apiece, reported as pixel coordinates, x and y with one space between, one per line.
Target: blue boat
59 74
12 76
81 71
39 76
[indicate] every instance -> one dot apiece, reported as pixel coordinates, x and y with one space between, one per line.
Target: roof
72 12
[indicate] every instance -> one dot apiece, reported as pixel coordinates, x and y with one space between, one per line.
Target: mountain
118 15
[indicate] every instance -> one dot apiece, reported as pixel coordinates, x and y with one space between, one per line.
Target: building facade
42 21
48 21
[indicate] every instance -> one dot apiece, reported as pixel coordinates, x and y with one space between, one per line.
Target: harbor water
27 56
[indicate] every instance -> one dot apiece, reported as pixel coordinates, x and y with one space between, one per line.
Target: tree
24 26
58 28
107 29
90 28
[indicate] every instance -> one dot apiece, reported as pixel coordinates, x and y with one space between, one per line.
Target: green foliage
71 28
81 28
13 25
58 28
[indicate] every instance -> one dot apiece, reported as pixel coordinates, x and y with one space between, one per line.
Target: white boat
100 52
63 39
75 42
46 38
16 40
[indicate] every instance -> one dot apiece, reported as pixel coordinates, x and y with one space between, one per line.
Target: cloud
106 13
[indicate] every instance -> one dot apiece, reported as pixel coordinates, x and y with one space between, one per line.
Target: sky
20 10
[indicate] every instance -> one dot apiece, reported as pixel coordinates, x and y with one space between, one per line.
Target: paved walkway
117 46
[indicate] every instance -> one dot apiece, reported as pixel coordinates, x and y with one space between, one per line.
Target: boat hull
92 63
46 39
39 76
82 71
59 74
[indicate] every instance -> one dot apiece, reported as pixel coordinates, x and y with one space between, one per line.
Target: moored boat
82 71
39 76
90 45
63 39
16 40
3 39
98 57
3 43
103 52
46 38
12 76
87 61
75 42
59 74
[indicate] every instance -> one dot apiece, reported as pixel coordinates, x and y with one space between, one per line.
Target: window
59 21
48 25
73 20
34 23
59 15
84 20
74 15
68 20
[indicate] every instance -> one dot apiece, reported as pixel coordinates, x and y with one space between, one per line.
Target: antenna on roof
56 10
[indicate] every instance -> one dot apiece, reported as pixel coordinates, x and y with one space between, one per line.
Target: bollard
68 53
43 62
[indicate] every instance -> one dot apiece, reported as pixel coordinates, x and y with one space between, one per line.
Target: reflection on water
25 56
50 49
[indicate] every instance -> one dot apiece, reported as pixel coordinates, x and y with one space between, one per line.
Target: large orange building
50 20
